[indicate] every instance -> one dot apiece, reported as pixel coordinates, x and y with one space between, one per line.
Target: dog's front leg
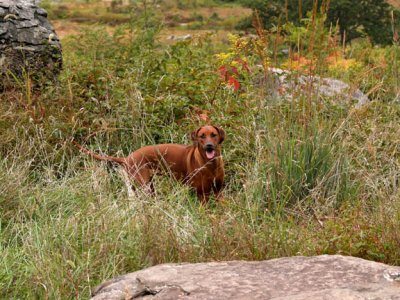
218 186
203 197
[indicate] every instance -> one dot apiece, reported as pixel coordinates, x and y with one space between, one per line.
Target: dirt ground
178 21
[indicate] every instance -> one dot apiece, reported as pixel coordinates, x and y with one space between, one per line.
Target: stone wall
28 43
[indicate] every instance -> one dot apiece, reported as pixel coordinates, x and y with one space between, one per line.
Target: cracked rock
28 43
331 277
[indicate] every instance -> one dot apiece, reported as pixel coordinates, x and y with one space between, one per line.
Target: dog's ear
194 135
221 133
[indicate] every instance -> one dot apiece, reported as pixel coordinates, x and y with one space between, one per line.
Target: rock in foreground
28 43
294 278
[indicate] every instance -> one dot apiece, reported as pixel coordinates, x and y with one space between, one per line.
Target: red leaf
223 72
233 82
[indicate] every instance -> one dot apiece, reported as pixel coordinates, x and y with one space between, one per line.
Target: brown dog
199 165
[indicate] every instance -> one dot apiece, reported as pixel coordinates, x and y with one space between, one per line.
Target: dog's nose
209 146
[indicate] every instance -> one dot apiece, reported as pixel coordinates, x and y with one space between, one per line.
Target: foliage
233 64
374 21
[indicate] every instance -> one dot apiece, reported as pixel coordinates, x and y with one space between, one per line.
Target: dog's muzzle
210 151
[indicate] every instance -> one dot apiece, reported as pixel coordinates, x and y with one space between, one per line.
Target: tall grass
306 176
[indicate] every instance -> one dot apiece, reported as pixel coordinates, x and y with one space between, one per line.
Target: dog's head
209 138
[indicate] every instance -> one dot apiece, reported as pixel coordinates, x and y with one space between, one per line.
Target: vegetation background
306 174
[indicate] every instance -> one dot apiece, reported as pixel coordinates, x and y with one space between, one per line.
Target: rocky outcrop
28 43
294 278
283 83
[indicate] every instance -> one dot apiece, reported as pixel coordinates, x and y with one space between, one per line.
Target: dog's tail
120 160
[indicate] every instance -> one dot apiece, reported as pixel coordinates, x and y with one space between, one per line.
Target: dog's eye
213 135
203 136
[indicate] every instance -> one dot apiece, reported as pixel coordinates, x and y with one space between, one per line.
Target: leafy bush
374 21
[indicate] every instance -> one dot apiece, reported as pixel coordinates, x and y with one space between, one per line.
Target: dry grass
395 3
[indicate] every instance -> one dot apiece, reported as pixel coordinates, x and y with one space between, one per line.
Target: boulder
179 37
295 278
28 43
284 83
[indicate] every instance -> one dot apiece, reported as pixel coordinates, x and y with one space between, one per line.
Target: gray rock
283 83
295 278
180 37
28 43
27 24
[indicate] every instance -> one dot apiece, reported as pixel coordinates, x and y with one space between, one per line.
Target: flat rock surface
296 278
